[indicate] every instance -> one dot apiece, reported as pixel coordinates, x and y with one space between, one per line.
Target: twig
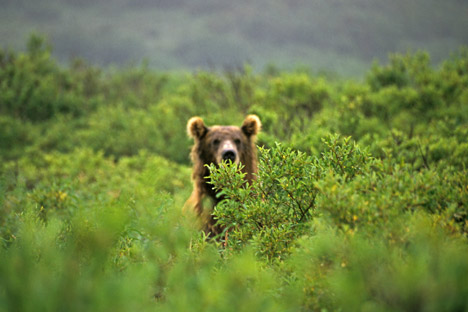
423 156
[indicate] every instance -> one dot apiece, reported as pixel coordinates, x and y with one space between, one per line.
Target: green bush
360 201
336 271
283 183
275 209
33 87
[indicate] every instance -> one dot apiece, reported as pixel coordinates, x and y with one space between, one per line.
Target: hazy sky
338 35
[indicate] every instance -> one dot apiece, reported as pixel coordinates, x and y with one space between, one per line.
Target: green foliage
350 220
346 185
274 209
289 102
334 270
360 200
33 87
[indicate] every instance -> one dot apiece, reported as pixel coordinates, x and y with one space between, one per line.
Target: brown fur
211 145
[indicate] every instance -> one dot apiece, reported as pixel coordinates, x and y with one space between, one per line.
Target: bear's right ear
196 128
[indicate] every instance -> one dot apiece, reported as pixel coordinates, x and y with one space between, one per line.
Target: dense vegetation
360 203
342 36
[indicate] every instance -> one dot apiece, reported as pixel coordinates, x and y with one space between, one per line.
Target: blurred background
340 36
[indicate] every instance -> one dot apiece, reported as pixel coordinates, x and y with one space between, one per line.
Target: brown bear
213 145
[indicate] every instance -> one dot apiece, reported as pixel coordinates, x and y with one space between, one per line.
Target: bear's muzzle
229 152
229 155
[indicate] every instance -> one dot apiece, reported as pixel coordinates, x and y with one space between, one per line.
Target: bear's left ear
196 128
251 125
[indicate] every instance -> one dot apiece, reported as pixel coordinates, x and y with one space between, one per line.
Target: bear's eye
237 141
215 142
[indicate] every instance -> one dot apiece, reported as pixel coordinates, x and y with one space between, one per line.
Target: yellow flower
62 195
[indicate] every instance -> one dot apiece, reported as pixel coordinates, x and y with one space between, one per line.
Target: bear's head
225 143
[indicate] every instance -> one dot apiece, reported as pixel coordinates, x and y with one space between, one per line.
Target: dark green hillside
339 36
360 202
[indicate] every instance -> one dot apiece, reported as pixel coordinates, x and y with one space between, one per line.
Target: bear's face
223 143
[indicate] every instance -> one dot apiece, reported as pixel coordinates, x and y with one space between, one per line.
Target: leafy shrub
289 102
283 183
359 212
15 136
287 180
33 86
93 175
355 191
333 270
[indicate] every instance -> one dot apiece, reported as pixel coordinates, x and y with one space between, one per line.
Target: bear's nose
229 155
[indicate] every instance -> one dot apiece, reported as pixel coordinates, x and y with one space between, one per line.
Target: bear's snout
229 155
228 151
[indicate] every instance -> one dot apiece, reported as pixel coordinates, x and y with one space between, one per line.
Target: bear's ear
196 128
251 125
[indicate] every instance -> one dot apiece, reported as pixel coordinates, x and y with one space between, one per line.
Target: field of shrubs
361 201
